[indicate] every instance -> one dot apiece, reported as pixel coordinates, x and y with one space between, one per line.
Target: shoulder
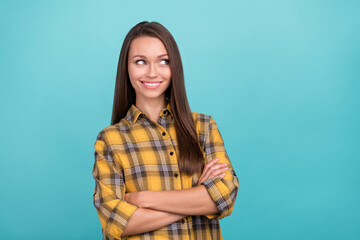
201 118
202 121
111 133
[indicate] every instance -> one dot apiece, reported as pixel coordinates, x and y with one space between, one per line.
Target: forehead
147 46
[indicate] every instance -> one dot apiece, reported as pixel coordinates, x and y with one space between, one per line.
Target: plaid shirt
138 154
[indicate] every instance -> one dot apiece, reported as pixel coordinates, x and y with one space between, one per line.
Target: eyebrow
145 57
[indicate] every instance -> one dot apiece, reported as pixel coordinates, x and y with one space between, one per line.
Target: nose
151 71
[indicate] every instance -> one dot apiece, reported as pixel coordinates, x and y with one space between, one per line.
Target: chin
152 96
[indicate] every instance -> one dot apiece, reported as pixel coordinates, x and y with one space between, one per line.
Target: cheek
168 82
166 73
134 73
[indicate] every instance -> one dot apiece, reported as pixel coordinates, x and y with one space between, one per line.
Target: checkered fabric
139 154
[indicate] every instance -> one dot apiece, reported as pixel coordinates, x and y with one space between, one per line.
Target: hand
213 169
135 198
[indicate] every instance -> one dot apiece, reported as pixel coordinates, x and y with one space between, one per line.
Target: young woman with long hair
161 171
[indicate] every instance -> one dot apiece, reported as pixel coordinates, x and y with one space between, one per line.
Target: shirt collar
133 113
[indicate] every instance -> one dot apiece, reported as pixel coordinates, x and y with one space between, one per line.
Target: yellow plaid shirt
139 154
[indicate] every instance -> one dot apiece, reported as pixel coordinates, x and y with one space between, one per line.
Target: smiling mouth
151 84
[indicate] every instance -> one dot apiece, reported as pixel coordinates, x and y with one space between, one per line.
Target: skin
176 201
148 61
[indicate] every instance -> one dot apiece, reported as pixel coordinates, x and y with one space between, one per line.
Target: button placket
178 184
168 139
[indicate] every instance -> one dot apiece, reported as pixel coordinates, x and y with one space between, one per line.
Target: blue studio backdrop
281 79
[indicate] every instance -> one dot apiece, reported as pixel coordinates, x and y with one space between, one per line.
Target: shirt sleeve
222 190
114 213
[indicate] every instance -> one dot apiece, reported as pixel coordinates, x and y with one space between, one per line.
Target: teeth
151 84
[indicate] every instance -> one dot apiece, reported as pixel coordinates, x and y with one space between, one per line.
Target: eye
141 62
166 61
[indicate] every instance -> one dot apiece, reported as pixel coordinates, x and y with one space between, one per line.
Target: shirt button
171 153
164 133
176 175
182 221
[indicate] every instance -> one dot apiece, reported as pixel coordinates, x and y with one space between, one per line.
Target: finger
217 172
206 168
216 166
200 180
205 171
212 168
209 164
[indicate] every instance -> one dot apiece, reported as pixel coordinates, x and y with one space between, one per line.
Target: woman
161 171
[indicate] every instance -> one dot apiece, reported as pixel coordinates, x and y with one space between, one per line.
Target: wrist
145 199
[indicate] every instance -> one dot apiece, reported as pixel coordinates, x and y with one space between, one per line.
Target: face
149 69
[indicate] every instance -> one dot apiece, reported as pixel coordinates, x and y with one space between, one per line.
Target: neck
151 108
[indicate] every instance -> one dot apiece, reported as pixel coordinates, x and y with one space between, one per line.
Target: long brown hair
191 157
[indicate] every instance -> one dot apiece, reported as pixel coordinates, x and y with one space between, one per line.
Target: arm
223 191
114 212
145 220
216 202
192 201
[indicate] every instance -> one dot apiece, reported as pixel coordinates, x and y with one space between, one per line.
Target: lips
151 84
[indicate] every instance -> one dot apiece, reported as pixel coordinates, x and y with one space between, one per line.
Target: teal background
281 79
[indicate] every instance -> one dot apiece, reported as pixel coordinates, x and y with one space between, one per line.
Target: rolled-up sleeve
222 190
108 199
